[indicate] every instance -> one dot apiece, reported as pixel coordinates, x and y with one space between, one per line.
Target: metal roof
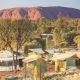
31 58
7 56
66 55
37 50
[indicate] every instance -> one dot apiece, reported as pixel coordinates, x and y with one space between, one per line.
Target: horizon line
35 7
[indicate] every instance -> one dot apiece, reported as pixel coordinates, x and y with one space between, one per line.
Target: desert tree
6 34
15 34
77 41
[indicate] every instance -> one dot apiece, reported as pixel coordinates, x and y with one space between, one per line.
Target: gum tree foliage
23 31
59 30
64 30
42 24
16 32
77 41
6 33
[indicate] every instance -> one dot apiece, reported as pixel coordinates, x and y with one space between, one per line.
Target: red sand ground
18 73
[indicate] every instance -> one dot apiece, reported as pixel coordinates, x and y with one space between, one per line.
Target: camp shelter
6 61
37 63
53 53
74 60
60 61
50 64
31 58
37 51
67 59
29 67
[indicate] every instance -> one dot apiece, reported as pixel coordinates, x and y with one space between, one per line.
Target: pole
13 62
35 73
40 71
25 71
17 46
16 56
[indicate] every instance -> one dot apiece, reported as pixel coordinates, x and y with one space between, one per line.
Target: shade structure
31 58
75 52
6 61
11 58
7 56
46 34
37 50
64 56
51 51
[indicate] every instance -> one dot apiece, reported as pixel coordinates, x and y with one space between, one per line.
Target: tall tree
14 34
77 41
6 35
42 25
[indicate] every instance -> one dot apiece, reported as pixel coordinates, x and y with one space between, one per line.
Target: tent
37 50
68 58
6 60
31 58
66 55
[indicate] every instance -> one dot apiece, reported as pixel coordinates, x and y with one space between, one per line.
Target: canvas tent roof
31 58
37 50
46 34
51 51
62 56
76 53
7 56
10 58
65 56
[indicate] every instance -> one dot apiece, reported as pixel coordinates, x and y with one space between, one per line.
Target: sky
4 4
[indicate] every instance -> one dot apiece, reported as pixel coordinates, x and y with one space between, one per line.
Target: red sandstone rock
35 13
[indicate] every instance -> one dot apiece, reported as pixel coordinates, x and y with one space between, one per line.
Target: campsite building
7 62
66 60
34 63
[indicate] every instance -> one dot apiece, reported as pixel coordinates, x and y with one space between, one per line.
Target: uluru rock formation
35 13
